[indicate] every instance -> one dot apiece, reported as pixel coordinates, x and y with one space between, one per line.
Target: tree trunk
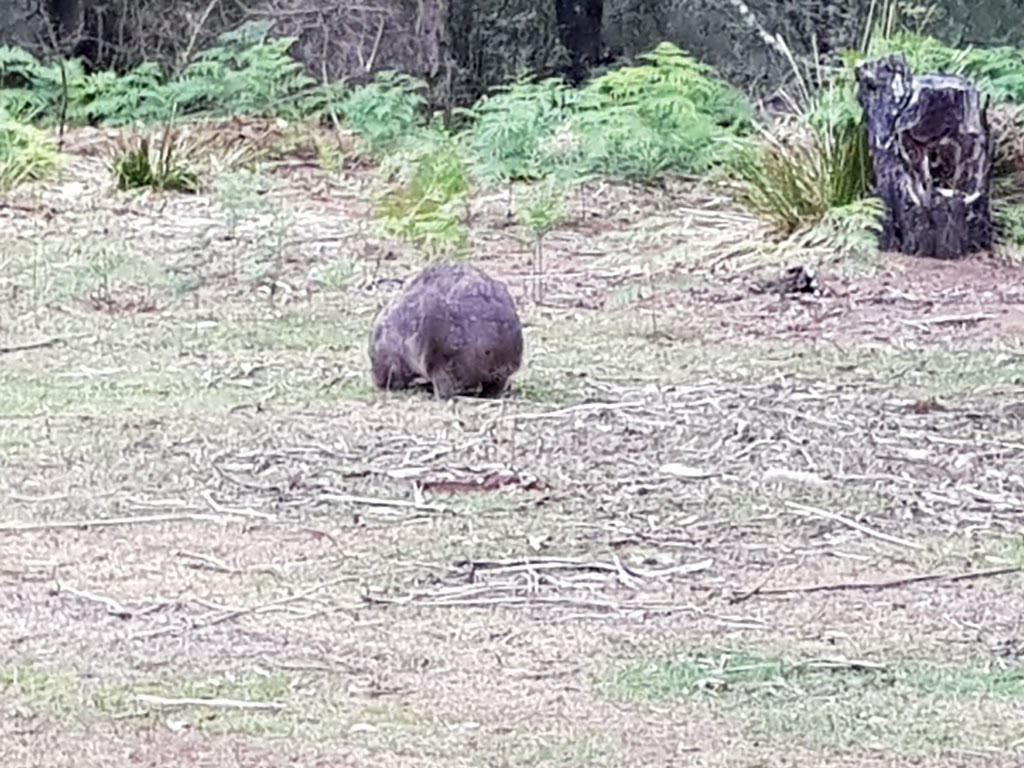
932 157
579 30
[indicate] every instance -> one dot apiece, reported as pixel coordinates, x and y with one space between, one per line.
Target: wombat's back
453 325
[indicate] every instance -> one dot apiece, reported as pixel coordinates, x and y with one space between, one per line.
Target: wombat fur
453 326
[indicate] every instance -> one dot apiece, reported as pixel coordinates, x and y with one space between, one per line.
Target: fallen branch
890 583
160 701
114 608
110 522
225 613
606 606
805 511
6 350
514 565
373 501
977 317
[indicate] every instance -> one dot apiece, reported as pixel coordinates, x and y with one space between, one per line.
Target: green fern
667 115
429 206
244 73
512 133
670 85
113 99
385 111
30 90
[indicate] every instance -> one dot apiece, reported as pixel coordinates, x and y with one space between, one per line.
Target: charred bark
579 30
932 155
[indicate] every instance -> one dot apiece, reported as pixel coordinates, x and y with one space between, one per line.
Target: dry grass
204 499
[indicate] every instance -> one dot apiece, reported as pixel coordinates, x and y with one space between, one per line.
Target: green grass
317 709
207 362
909 707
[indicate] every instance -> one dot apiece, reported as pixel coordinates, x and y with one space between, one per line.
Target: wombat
452 326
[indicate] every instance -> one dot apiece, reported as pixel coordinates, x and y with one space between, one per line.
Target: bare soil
221 547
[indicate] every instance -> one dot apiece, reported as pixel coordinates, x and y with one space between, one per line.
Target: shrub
428 205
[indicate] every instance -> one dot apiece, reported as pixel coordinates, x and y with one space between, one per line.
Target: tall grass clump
799 169
26 153
795 173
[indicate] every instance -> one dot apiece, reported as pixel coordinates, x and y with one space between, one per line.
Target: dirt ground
708 526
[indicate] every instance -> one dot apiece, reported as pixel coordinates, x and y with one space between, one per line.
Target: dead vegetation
709 526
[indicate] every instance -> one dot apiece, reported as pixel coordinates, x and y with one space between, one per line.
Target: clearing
707 527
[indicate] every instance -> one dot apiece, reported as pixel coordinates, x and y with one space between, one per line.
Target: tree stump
932 156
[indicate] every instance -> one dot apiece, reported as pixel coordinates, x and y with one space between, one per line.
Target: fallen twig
5 350
223 509
372 501
744 596
513 565
110 522
160 701
805 510
891 583
226 613
977 317
553 600
113 607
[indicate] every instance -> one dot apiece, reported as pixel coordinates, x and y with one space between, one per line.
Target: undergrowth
797 172
427 204
245 73
665 115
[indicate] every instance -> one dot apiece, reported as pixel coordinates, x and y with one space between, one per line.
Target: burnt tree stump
931 151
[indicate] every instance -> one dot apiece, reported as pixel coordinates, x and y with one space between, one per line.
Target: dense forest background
462 47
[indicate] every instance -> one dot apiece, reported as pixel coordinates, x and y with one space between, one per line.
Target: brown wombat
453 326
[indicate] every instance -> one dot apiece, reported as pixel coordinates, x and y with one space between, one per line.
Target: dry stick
952 319
891 583
602 605
376 46
825 514
30 345
513 565
234 613
114 608
755 590
224 509
371 501
160 701
113 521
193 38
